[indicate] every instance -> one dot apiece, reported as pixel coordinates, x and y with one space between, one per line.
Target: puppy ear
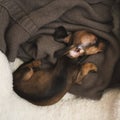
60 33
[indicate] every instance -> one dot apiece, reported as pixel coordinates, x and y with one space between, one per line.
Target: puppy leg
85 69
28 74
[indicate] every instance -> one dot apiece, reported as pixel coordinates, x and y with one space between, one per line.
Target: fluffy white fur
12 107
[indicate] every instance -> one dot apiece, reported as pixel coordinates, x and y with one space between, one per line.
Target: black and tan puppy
47 86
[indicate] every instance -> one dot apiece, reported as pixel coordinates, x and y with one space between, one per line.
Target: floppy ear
60 33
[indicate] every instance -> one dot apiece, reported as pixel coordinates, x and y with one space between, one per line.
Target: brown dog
47 86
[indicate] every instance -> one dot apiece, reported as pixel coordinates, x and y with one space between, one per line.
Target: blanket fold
23 22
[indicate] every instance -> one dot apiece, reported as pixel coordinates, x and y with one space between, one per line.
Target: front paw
85 69
88 67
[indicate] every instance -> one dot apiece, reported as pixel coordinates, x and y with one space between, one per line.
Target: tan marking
83 36
85 69
28 75
35 63
94 49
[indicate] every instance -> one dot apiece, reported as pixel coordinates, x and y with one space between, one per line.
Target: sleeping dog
47 86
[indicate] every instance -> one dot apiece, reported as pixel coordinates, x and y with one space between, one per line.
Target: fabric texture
24 22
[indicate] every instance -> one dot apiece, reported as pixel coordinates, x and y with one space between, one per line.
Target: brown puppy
46 87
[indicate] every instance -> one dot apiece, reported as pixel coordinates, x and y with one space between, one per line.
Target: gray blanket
25 23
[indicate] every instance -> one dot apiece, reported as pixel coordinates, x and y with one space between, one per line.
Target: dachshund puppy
48 86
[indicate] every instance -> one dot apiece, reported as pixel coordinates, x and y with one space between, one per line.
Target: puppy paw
28 75
88 67
85 69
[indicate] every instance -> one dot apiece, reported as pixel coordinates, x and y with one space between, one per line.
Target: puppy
48 86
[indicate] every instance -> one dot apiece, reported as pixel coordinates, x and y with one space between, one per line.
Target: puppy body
44 87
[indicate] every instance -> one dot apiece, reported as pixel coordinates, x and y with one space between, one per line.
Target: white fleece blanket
12 107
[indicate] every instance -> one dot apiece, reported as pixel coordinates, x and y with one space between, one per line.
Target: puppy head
77 42
81 40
